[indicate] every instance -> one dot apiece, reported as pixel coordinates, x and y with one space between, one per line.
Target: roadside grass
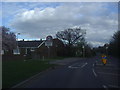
13 72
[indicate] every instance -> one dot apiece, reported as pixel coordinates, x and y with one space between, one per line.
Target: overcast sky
36 20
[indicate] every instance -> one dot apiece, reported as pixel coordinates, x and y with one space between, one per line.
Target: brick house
53 51
38 50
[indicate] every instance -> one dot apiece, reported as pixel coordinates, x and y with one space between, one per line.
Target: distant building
56 50
26 47
37 49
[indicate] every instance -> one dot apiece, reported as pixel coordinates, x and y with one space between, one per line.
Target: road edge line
94 73
104 86
93 65
30 78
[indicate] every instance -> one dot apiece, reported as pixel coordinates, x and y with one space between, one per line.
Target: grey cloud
39 23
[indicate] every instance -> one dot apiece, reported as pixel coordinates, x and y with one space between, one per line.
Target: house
57 49
25 47
38 49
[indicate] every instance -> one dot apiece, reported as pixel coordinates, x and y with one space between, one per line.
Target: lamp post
17 40
106 50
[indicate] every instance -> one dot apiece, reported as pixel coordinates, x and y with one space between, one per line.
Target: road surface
80 73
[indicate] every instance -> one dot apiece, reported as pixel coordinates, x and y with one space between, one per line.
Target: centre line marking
104 86
94 73
72 66
93 65
84 65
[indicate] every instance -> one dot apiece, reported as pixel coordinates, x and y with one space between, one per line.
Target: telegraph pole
17 40
106 50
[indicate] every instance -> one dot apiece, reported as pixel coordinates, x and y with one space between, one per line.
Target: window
32 49
16 51
2 52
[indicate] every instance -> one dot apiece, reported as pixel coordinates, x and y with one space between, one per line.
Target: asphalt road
81 73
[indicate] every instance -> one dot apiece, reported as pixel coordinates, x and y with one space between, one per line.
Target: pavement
77 73
66 61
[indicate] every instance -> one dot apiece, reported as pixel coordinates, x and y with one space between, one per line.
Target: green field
13 72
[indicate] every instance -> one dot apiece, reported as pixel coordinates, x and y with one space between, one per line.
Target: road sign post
48 43
104 59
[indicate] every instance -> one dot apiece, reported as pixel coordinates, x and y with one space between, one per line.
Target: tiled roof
29 43
36 43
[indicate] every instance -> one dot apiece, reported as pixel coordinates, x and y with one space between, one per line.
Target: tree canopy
114 45
71 35
8 39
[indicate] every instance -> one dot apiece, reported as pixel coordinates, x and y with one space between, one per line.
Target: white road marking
72 66
93 65
104 86
69 66
109 73
84 65
94 73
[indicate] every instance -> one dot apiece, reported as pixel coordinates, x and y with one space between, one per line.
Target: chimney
40 39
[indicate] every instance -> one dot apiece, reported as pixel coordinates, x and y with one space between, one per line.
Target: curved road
78 74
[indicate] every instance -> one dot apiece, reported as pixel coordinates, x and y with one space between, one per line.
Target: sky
36 20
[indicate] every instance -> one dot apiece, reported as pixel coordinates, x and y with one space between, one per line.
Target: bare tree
71 35
8 39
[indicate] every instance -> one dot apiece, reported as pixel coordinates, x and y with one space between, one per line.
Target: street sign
49 41
104 59
49 38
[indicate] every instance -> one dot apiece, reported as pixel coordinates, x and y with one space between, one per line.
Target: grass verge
14 72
